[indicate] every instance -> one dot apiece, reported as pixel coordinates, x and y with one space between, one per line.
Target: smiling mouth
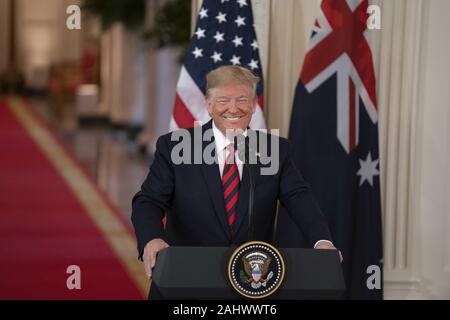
233 118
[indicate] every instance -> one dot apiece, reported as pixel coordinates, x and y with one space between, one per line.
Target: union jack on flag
224 35
338 46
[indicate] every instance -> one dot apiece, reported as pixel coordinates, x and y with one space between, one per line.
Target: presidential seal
256 270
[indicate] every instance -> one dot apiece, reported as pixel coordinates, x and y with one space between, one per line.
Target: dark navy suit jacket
191 196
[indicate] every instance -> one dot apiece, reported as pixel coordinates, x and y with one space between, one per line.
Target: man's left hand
327 245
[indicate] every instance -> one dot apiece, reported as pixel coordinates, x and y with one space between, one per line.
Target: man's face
232 107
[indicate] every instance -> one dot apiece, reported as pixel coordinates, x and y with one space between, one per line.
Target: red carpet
44 228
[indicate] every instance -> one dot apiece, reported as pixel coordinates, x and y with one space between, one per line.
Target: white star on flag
197 52
254 44
203 13
237 41
223 1
240 21
221 17
200 33
242 3
253 64
219 37
368 170
235 60
216 56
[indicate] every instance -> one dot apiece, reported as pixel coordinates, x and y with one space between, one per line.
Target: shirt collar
221 141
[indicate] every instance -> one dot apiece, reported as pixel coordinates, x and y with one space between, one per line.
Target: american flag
224 35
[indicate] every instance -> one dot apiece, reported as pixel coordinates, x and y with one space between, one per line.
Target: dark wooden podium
201 273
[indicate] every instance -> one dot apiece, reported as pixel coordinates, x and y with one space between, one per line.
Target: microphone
244 152
240 142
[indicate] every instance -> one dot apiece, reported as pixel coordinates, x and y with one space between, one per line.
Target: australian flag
334 132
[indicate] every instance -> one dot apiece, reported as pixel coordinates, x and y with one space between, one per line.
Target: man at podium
207 203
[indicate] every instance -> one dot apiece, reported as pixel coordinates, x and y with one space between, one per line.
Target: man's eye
223 101
242 101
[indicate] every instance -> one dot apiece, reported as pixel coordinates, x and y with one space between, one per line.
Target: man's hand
324 245
150 251
327 245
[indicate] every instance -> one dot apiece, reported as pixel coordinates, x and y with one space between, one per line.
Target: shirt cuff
323 241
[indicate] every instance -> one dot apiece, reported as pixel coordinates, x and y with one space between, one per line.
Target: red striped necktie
230 184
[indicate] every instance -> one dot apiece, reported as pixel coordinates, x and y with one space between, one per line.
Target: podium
201 273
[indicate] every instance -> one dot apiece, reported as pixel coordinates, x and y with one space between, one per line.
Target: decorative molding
408 289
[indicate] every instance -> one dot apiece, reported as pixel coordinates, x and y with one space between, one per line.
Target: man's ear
209 106
255 102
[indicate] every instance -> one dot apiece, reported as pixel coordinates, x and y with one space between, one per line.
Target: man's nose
233 107
236 107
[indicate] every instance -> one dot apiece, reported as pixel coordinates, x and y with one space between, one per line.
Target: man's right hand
151 249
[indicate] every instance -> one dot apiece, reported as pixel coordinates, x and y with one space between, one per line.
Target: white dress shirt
222 152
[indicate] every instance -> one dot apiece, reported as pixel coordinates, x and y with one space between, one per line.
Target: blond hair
228 75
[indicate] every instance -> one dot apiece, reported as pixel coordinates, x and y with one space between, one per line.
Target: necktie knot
230 159
230 148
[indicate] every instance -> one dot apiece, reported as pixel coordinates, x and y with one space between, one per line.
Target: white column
433 161
413 73
163 69
134 80
397 65
164 77
167 70
129 77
